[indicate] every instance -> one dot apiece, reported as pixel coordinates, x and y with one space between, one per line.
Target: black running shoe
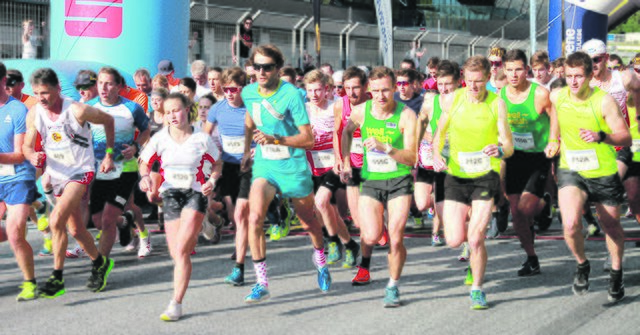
99 275
502 220
529 268
616 287
125 230
581 279
52 288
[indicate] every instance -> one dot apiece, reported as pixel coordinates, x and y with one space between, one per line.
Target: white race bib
179 177
114 174
323 159
426 154
274 152
474 162
523 141
635 146
380 162
356 146
582 160
233 144
62 155
7 170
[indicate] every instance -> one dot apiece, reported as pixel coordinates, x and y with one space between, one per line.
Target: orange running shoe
384 240
361 278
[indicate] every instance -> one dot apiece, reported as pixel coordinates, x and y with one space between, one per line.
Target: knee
255 220
16 237
476 242
396 246
572 226
454 241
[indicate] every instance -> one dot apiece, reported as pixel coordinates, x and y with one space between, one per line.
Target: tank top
530 130
356 143
379 165
425 150
321 157
633 128
619 93
154 126
472 126
67 144
590 160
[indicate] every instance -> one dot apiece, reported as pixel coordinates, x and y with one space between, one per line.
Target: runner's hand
128 151
146 185
208 187
589 136
107 164
373 144
38 159
245 164
552 149
262 138
345 173
491 150
337 167
439 164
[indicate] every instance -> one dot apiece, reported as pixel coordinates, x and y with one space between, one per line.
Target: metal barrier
12 15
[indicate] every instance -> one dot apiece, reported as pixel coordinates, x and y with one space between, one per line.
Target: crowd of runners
361 149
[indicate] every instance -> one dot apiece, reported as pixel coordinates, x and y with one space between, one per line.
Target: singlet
619 93
529 130
185 165
67 144
472 126
154 126
425 150
321 157
246 35
280 113
590 160
127 116
13 115
633 128
379 165
415 103
356 143
230 121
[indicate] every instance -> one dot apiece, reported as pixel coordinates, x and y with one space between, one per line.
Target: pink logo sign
93 18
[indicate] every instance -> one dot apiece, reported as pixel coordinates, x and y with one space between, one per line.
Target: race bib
233 144
582 160
380 162
323 159
523 141
7 170
474 162
635 146
356 146
274 152
62 155
179 177
114 174
426 154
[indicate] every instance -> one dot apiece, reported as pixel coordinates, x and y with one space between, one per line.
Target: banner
316 23
555 29
584 20
383 13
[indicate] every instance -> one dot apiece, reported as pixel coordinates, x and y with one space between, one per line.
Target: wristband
554 141
109 151
602 136
387 148
276 139
500 152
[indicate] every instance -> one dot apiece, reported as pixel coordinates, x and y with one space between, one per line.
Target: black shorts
331 181
175 200
625 156
234 183
115 192
386 190
466 190
434 178
633 170
527 172
356 177
605 190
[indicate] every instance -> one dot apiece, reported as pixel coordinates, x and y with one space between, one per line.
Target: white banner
385 27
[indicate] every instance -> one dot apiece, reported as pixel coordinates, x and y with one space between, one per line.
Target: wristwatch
276 140
387 148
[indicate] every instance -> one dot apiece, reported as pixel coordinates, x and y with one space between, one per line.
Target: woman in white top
187 162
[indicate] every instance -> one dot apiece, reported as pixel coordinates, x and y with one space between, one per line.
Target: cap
594 47
85 78
13 79
165 67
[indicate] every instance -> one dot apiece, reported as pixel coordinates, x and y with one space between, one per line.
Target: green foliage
632 25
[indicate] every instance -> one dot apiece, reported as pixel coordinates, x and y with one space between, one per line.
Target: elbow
627 140
309 143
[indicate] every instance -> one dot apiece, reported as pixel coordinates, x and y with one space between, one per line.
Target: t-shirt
136 96
14 115
230 121
414 103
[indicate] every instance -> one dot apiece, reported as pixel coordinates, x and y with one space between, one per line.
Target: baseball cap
85 78
594 47
165 67
13 79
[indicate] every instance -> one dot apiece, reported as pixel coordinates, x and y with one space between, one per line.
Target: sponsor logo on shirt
56 137
7 119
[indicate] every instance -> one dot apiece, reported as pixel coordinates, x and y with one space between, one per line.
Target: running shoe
436 241
133 245
173 312
125 231
324 279
98 235
581 279
350 258
275 233
43 223
465 253
529 268
493 231
593 229
47 247
52 288
362 277
418 222
145 247
478 300
384 240
236 278
28 291
627 215
391 297
76 252
289 219
98 279
431 213
208 229
335 254
616 287
258 293
468 279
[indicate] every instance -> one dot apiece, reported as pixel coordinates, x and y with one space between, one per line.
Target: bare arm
30 138
355 120
302 140
408 155
620 135
337 118
234 38
504 130
84 113
208 128
15 157
630 81
424 116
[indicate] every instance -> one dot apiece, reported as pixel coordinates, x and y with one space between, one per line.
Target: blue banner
555 29
582 25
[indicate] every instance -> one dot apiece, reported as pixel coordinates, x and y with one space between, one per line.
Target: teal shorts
296 185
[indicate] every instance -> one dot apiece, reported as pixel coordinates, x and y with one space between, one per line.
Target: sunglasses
636 69
402 83
266 67
597 60
230 89
614 67
84 88
496 64
339 87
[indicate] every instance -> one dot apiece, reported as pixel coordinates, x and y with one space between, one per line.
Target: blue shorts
298 185
18 192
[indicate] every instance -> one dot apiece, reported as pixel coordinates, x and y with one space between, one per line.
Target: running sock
145 233
57 274
325 233
319 258
98 261
365 262
32 281
392 283
51 199
352 245
334 238
261 272
584 265
474 288
615 274
240 266
532 259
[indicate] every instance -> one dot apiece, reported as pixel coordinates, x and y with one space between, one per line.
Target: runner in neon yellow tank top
427 180
590 124
526 171
476 123
388 133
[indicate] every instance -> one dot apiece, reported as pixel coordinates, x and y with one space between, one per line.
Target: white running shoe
133 245
208 229
76 252
173 312
145 247
464 255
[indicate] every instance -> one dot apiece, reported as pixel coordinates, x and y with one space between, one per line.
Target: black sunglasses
266 67
597 60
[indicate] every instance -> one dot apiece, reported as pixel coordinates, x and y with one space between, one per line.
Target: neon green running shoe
28 291
53 288
43 223
478 300
276 233
99 235
47 247
468 280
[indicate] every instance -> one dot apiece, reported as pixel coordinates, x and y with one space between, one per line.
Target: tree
631 25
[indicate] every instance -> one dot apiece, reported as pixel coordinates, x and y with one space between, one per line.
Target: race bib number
523 141
7 170
274 152
474 162
356 146
380 162
233 144
62 155
582 160
323 159
179 177
635 146
113 174
426 154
